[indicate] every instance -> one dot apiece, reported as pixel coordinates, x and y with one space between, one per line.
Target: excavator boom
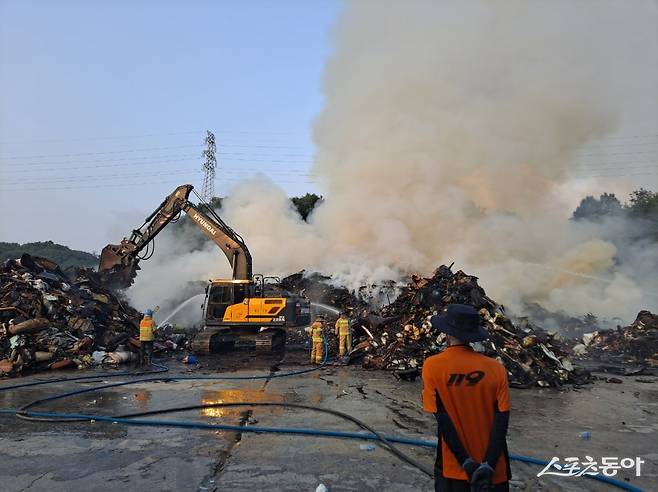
119 262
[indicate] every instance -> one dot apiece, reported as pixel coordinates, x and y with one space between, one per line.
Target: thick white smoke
449 133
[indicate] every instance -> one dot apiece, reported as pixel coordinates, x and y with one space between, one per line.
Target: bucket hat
460 321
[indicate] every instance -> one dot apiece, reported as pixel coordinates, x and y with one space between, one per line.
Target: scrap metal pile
399 336
318 289
634 344
49 319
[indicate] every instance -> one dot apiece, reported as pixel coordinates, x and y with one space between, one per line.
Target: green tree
595 209
306 203
216 203
644 204
643 210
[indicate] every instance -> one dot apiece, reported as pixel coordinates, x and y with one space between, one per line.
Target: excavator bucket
116 270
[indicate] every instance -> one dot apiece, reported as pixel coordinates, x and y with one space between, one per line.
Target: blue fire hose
160 368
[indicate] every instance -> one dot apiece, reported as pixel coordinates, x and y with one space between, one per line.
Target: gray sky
104 107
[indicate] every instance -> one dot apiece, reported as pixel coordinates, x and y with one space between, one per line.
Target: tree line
640 210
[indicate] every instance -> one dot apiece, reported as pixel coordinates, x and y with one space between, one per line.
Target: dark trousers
147 353
442 484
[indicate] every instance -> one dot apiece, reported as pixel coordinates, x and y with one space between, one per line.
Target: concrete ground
622 419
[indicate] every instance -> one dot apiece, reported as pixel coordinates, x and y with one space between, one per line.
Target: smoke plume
449 133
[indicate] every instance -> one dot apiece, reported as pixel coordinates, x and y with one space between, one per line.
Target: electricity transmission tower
209 166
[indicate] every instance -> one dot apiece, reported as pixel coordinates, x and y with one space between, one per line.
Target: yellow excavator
245 310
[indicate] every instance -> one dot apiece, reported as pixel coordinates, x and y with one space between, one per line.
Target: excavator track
206 341
271 340
211 340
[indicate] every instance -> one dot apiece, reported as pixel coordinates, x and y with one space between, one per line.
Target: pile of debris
570 327
634 344
399 337
531 355
326 298
319 290
49 319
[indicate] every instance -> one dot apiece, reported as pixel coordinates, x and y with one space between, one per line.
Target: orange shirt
470 386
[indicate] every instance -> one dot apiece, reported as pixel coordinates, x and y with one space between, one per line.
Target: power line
112 159
95 177
50 156
104 185
618 175
614 145
40 171
100 153
148 164
146 135
655 151
132 183
251 157
618 137
238 172
616 165
634 165
91 139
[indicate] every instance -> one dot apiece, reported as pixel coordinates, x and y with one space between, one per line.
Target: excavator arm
119 262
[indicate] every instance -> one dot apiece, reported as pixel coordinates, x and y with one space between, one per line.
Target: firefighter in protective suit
343 333
146 336
316 330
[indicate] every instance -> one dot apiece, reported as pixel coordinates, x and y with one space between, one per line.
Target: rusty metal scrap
319 289
635 344
398 336
50 319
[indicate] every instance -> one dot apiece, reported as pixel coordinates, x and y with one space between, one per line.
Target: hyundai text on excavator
242 310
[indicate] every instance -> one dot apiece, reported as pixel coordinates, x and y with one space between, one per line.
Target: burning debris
52 320
399 336
318 289
634 344
49 319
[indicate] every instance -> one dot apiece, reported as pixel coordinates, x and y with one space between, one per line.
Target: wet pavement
622 420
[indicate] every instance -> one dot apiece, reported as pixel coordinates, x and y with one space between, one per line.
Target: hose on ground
160 368
22 412
302 432
381 438
131 419
59 417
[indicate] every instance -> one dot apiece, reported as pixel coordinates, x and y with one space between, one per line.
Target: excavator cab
220 294
242 302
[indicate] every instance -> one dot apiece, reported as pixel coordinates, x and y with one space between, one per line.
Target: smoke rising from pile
449 133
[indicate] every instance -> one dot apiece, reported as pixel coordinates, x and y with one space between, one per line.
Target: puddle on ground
235 396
